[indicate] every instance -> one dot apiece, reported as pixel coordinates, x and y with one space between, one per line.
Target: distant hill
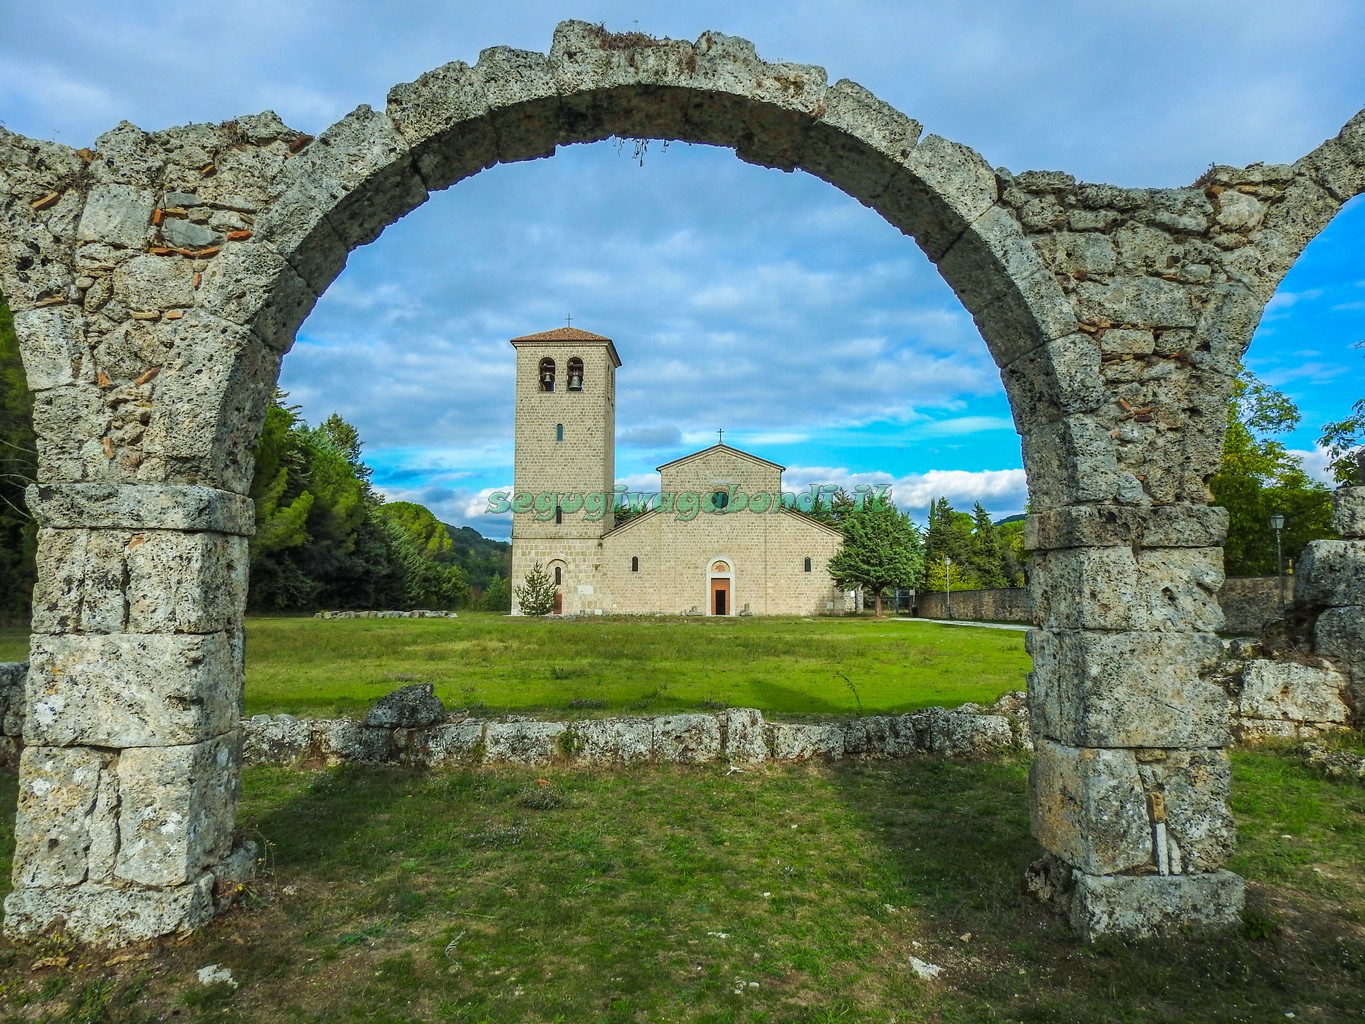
1012 519
479 557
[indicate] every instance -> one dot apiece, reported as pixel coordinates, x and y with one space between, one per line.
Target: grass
327 668
673 894
611 665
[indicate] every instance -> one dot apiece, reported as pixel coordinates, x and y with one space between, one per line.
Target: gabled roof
567 335
725 448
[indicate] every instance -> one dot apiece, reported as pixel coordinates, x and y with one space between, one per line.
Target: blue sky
769 304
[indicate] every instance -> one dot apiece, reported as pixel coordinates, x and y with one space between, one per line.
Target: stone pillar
1331 580
128 780
1129 785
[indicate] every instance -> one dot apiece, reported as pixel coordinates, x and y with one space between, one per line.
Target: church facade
717 539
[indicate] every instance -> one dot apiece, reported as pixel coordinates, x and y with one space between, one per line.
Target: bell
547 381
576 382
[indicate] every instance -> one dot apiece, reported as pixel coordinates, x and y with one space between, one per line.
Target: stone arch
157 280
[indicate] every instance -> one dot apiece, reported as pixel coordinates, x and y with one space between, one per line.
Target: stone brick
1088 807
798 742
1293 692
1339 633
611 741
103 915
745 736
176 809
686 739
876 737
522 742
279 739
1167 526
1147 905
118 214
1126 588
1331 574
147 506
66 830
54 348
154 283
973 734
1348 512
125 690
859 141
447 745
185 582
253 285
443 115
1126 689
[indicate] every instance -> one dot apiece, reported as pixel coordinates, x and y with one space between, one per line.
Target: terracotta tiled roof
563 334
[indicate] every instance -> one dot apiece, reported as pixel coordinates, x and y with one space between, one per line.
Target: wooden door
720 597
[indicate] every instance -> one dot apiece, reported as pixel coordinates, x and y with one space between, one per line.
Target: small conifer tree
536 596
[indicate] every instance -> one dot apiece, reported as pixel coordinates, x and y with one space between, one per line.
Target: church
717 538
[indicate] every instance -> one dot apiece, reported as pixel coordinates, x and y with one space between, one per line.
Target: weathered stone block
176 809
1164 526
1196 786
455 744
859 141
1055 380
185 582
1137 301
611 741
66 830
281 739
523 101
877 737
798 742
1348 512
943 188
253 285
1291 692
154 283
1088 807
1123 588
1339 633
443 117
54 347
1147 905
1331 574
686 739
974 734
1073 461
1130 689
745 736
118 214
110 916
522 742
1091 807
141 507
80 582
125 690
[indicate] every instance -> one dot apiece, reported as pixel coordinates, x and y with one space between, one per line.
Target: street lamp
1277 524
948 582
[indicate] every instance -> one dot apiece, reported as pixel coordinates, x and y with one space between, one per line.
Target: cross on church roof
568 320
722 435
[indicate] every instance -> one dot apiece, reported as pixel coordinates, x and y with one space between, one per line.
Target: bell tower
564 458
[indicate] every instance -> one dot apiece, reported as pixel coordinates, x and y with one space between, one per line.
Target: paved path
963 622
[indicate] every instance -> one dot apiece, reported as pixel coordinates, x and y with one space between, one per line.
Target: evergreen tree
881 550
18 469
949 536
1345 444
536 596
987 558
497 596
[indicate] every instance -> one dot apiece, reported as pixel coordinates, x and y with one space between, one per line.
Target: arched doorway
720 582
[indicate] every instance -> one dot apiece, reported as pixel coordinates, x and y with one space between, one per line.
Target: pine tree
536 596
881 550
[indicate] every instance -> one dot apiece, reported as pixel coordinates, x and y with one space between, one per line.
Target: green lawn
792 895
795 666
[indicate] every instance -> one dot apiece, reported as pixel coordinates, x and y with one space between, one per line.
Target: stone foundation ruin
157 280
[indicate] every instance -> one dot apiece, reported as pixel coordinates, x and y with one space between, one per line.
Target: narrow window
635 563
559 431
559 516
559 578
547 374
575 374
808 563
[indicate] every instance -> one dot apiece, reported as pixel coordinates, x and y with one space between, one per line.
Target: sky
767 304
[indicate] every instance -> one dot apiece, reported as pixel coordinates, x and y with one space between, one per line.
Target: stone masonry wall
157 279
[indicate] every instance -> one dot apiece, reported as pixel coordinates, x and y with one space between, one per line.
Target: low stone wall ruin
1007 604
420 613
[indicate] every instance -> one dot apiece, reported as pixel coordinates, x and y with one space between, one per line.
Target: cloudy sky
768 304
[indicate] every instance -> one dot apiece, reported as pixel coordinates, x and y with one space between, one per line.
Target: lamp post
1277 524
948 582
